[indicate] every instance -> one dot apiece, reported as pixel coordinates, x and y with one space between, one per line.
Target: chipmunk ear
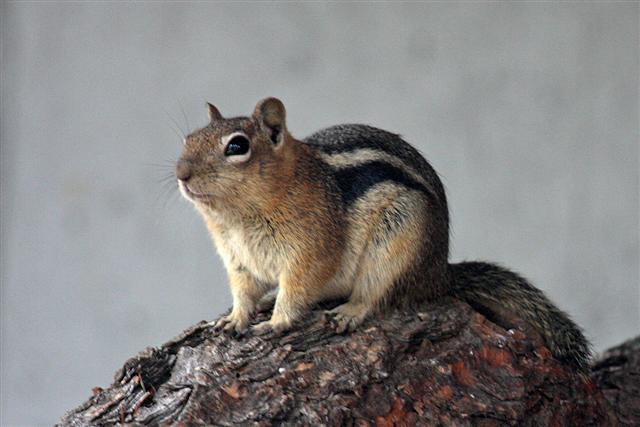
214 114
270 114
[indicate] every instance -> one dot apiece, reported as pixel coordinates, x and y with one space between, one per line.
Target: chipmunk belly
256 252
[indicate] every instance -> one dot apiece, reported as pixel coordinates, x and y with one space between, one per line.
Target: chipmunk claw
346 317
269 327
232 324
218 324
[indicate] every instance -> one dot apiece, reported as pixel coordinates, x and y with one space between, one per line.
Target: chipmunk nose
183 170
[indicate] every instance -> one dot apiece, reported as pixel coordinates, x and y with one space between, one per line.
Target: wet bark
443 365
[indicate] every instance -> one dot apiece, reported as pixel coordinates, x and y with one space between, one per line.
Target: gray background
528 111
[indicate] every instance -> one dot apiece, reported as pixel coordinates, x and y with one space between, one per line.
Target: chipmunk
351 212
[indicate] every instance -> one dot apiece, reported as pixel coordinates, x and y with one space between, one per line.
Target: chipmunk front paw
234 323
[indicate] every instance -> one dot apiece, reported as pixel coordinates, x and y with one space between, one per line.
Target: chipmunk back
351 212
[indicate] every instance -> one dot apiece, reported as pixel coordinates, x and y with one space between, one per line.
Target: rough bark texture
617 375
444 365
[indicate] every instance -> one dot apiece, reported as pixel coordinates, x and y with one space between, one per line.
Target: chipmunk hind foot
348 316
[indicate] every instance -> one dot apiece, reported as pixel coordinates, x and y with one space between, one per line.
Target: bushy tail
488 287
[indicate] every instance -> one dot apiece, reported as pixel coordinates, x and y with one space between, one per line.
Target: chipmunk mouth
192 195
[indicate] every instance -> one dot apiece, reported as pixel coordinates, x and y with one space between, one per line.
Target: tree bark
443 365
617 375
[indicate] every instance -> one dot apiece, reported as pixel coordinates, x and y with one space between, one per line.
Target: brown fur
278 221
273 218
292 228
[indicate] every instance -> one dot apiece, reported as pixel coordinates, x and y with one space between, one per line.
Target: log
617 374
442 365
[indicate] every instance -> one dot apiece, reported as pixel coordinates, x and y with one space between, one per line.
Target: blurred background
528 111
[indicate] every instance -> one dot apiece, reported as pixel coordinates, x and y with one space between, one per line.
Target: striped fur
350 212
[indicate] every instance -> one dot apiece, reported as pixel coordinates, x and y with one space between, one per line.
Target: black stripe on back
351 137
357 180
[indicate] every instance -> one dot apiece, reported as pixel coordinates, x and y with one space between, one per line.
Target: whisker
161 167
167 193
161 162
162 172
167 182
184 114
180 137
176 124
169 179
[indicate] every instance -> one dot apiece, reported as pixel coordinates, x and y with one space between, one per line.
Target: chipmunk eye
237 146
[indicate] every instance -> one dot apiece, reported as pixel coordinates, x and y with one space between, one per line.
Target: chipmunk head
238 162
